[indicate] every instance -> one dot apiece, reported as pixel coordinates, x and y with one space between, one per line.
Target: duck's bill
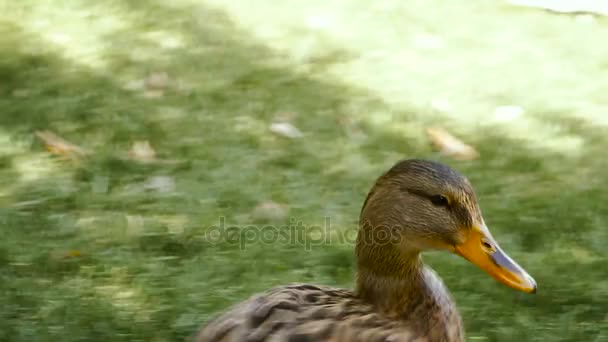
480 249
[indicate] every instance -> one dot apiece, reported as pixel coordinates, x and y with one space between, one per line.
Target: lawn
109 247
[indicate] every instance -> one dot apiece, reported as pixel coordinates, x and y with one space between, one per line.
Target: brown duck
417 205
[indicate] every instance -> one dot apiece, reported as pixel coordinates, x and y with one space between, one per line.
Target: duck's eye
440 200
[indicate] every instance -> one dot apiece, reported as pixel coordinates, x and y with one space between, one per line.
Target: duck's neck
413 294
395 284
391 275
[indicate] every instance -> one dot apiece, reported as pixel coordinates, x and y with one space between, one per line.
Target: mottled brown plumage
417 205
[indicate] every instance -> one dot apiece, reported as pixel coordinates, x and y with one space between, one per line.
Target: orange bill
481 249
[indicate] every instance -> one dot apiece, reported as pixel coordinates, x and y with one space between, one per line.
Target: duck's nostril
487 245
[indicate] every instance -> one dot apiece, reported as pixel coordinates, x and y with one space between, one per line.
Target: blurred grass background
91 252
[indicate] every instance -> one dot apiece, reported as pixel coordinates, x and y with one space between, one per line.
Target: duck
417 205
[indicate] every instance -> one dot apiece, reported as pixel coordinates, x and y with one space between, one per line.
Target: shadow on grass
86 264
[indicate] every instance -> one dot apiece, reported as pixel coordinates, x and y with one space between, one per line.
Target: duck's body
416 205
308 313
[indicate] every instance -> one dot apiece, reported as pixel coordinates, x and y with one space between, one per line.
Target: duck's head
423 205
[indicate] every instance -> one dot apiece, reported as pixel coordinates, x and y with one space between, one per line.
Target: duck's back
301 313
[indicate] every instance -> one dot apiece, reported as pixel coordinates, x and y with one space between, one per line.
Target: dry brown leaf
142 151
73 254
451 146
59 146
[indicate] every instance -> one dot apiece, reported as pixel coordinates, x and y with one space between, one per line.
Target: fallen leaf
270 211
285 129
73 254
57 145
142 151
451 146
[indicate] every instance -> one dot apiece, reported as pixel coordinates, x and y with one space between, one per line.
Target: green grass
359 77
